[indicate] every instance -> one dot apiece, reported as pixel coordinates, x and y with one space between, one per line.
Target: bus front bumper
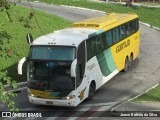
53 102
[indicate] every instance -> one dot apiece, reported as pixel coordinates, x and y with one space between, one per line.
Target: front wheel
91 91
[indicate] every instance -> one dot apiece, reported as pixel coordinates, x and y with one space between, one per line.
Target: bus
67 66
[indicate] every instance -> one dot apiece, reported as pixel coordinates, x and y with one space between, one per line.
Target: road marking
9 118
30 118
75 116
55 116
103 108
144 92
99 104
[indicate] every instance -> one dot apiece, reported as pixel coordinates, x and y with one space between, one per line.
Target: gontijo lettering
122 46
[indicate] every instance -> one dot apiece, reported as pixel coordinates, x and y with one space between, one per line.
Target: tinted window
109 38
115 35
100 45
122 32
52 53
91 48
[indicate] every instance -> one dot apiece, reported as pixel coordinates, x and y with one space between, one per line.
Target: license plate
49 102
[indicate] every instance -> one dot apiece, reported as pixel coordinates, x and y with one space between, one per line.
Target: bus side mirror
29 38
20 64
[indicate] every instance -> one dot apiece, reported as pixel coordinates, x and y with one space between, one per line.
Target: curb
19 85
124 3
150 26
83 8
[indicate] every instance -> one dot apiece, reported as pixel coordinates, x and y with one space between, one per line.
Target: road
143 74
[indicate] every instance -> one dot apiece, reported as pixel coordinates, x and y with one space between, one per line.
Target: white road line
103 108
143 92
99 104
56 115
10 118
30 118
78 113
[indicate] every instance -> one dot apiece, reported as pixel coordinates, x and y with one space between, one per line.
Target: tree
5 38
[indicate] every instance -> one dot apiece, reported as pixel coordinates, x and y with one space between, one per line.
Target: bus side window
122 32
104 40
99 45
94 44
115 35
137 24
109 38
91 48
131 24
127 30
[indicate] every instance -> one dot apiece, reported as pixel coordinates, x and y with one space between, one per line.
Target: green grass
147 15
18 45
152 95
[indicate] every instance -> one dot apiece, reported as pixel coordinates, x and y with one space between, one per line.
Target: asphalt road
143 74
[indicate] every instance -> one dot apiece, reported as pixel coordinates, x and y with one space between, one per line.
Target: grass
18 45
147 15
150 96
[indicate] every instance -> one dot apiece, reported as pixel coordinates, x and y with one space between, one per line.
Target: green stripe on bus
99 32
106 62
95 33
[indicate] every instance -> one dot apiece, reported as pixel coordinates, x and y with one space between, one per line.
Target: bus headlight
30 94
69 97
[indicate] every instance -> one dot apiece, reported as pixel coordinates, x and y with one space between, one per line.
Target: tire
131 59
91 91
126 65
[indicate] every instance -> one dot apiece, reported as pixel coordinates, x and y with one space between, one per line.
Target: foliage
13 36
5 97
147 15
5 6
5 38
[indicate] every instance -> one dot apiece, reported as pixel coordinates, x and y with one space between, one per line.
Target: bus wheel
131 59
127 65
91 91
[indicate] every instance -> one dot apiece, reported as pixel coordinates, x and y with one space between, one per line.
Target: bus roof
65 37
106 22
80 31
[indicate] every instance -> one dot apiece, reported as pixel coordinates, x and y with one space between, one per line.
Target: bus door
81 81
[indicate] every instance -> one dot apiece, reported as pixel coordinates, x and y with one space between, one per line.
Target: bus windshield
52 53
49 75
49 68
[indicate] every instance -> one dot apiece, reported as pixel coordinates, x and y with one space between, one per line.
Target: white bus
67 66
